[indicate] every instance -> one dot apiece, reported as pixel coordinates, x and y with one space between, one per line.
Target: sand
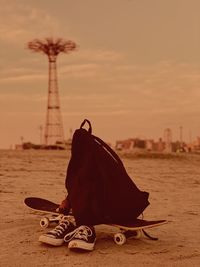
174 186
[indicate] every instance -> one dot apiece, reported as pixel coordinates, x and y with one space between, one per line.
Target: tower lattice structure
54 132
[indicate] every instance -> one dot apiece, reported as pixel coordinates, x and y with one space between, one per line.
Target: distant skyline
135 73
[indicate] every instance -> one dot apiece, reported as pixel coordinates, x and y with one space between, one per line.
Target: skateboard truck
47 221
121 237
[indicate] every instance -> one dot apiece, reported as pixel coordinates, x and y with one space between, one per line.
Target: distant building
168 140
159 146
196 144
18 147
149 145
134 145
198 141
125 145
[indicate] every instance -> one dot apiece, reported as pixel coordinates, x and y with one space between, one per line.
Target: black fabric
99 188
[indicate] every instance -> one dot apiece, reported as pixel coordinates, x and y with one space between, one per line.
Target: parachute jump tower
54 132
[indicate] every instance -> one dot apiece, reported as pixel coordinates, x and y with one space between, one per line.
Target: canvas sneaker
83 237
56 236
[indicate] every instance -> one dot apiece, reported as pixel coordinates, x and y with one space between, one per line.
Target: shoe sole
79 244
51 241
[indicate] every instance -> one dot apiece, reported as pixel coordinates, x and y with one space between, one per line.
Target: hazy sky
135 73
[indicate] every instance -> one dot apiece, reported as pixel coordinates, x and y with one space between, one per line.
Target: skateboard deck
42 205
138 224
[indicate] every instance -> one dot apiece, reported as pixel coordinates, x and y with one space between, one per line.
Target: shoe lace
59 229
82 232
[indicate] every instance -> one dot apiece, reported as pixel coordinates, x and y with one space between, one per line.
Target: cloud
99 55
79 70
23 78
16 97
157 90
90 63
19 22
100 113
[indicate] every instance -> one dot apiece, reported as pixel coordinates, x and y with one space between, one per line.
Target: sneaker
83 237
55 237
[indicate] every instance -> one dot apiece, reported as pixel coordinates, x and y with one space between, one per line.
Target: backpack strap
90 127
103 144
109 150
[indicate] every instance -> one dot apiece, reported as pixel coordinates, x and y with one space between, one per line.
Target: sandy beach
174 186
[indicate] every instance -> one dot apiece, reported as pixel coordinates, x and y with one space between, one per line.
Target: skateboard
44 206
135 229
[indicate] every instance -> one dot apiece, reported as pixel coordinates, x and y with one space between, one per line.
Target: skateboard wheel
120 238
44 223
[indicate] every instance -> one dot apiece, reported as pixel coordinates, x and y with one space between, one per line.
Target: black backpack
99 188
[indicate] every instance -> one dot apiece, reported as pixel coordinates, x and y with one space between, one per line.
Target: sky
135 73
